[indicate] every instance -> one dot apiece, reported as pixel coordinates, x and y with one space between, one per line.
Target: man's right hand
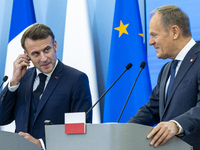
19 68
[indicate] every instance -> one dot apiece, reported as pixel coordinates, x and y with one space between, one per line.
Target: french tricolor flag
75 123
23 16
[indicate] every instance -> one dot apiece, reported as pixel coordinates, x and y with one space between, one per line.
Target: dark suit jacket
183 104
67 91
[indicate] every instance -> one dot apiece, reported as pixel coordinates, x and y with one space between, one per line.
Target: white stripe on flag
13 50
78 46
75 117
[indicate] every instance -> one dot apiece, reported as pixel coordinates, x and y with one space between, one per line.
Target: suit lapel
54 80
185 66
29 88
165 76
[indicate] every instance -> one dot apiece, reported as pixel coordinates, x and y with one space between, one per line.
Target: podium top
108 137
13 141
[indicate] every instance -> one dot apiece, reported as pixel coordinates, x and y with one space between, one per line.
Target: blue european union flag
127 46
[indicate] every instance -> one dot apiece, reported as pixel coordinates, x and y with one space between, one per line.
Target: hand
163 132
19 68
30 138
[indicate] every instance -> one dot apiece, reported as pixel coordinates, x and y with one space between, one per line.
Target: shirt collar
181 55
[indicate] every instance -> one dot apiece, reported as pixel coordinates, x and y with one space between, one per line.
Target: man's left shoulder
196 47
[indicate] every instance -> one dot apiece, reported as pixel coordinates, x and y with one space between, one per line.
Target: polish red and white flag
75 123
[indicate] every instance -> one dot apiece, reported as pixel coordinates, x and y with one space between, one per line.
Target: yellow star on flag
122 28
141 34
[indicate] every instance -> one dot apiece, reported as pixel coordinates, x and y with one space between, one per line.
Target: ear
175 31
55 46
25 52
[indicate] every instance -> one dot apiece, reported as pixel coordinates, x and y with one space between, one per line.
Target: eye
153 35
47 49
35 54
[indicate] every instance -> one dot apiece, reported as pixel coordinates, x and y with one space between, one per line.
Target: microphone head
129 66
5 78
142 65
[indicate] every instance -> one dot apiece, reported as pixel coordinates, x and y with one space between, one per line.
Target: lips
156 48
45 65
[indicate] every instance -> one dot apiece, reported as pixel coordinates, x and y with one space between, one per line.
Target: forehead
38 44
155 23
29 41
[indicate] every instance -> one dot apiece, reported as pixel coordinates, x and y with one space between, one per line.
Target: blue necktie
173 70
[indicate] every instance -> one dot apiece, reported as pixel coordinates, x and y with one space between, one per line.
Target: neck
180 44
183 42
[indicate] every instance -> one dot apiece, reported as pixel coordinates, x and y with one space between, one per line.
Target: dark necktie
35 100
39 90
173 70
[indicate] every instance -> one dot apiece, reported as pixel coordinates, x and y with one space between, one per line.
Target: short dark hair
36 32
173 15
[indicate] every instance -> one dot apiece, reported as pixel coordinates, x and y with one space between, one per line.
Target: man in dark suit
65 89
174 103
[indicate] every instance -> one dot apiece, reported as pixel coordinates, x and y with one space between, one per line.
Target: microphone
5 78
142 65
127 68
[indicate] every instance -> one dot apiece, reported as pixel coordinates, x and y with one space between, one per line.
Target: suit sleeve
81 97
7 103
190 120
148 114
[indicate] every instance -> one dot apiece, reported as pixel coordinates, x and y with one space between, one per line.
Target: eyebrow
48 47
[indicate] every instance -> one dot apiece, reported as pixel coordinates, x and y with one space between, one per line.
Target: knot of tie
39 90
42 77
174 64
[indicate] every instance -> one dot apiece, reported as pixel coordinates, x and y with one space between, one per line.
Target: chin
46 71
160 57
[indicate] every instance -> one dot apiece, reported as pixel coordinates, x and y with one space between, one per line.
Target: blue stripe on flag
23 15
127 46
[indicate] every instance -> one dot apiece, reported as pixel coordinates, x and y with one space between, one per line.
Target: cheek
35 61
54 56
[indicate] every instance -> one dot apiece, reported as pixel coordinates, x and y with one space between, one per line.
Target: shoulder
29 72
196 47
70 72
166 66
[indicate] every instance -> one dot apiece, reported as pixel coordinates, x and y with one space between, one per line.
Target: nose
43 57
151 41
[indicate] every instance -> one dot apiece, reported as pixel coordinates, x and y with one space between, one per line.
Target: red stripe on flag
74 128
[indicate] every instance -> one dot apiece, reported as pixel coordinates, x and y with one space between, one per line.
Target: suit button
34 114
